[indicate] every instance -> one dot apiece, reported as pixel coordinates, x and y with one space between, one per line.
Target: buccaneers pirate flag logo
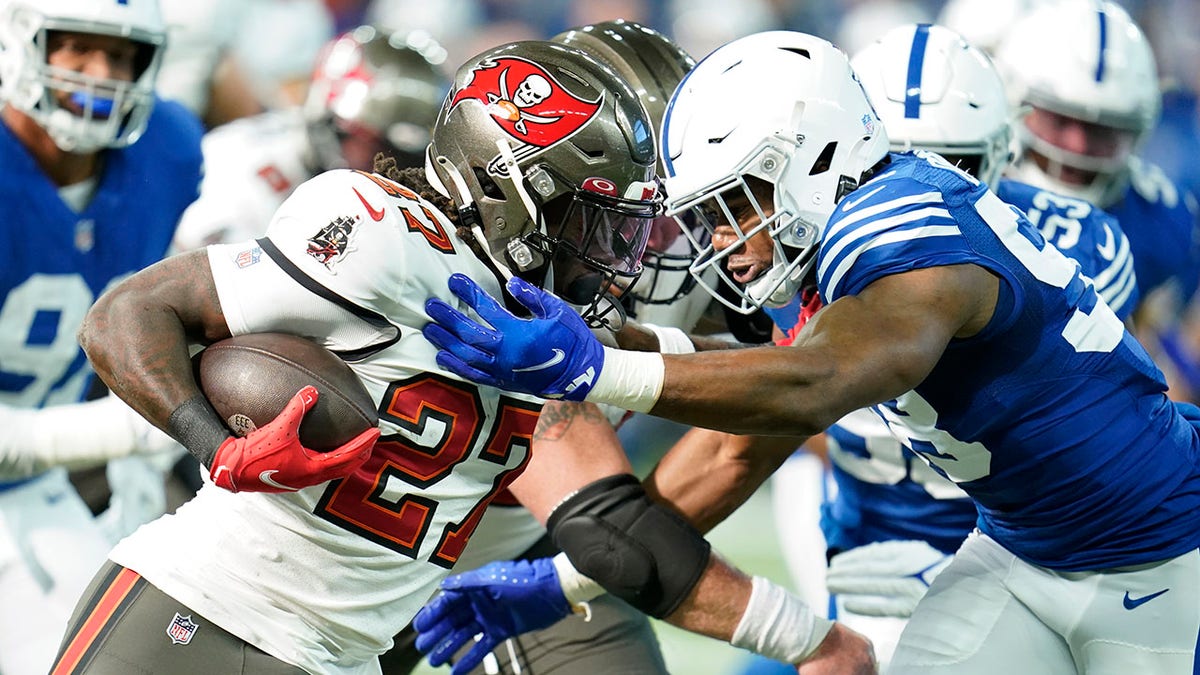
526 101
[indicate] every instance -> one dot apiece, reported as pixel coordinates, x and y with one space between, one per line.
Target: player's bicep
893 333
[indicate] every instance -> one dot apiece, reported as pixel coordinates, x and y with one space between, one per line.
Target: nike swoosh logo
376 215
1134 603
847 205
1109 248
552 361
265 477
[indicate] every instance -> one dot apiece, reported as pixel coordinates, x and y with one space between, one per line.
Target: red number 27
382 501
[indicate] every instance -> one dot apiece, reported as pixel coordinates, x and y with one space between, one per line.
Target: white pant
990 613
50 546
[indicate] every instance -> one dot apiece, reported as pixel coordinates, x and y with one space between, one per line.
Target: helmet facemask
1094 174
593 245
747 196
733 121
97 112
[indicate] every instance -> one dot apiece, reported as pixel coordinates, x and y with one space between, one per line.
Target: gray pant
123 625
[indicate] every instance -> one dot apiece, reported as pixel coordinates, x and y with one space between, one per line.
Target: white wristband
629 380
577 588
778 625
671 340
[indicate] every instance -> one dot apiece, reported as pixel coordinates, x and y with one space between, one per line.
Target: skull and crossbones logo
513 107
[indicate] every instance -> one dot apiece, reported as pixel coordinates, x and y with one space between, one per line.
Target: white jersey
324 577
251 166
199 35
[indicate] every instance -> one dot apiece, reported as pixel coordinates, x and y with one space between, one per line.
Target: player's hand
498 601
553 354
842 652
272 459
885 578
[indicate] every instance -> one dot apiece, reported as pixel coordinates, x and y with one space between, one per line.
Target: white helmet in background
936 92
983 23
113 112
1088 74
781 108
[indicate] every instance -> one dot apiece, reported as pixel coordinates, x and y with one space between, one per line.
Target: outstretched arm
858 351
580 483
708 474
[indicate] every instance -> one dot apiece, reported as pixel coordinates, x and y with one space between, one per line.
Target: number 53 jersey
1053 418
324 577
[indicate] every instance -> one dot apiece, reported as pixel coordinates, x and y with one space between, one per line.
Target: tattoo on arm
558 416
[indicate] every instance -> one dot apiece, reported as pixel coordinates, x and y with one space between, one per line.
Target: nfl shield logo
182 629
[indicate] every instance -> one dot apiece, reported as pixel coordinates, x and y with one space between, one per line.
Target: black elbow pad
638 550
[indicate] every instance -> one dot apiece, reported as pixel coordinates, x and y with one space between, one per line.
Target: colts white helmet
778 107
1088 75
936 92
106 113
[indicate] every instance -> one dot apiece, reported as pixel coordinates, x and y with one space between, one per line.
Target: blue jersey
1160 220
60 261
884 490
1067 410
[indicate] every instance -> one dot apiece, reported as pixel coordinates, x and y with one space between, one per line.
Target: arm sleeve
74 436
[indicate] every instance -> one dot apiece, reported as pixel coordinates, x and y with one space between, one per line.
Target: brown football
250 378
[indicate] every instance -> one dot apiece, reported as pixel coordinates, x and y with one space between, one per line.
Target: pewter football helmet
548 154
100 112
374 91
653 64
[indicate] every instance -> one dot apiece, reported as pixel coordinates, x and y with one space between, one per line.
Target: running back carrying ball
250 378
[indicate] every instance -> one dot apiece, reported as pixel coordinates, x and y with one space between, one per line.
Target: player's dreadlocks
413 178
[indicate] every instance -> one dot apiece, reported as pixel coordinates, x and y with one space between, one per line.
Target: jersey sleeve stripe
841 238
852 204
890 238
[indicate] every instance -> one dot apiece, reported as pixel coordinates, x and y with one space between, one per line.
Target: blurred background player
227 59
96 175
1084 75
371 92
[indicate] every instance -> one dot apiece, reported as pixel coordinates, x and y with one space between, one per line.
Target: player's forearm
765 390
639 337
709 474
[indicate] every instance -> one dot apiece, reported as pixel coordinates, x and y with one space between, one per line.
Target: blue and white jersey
1054 445
885 491
1088 235
60 261
1161 222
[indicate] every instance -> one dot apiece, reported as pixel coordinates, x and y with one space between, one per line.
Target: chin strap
465 204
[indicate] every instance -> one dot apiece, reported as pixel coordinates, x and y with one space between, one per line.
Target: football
249 379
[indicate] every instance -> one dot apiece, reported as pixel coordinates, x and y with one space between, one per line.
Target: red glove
271 459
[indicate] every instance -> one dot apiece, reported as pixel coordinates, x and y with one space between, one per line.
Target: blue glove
500 600
553 354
